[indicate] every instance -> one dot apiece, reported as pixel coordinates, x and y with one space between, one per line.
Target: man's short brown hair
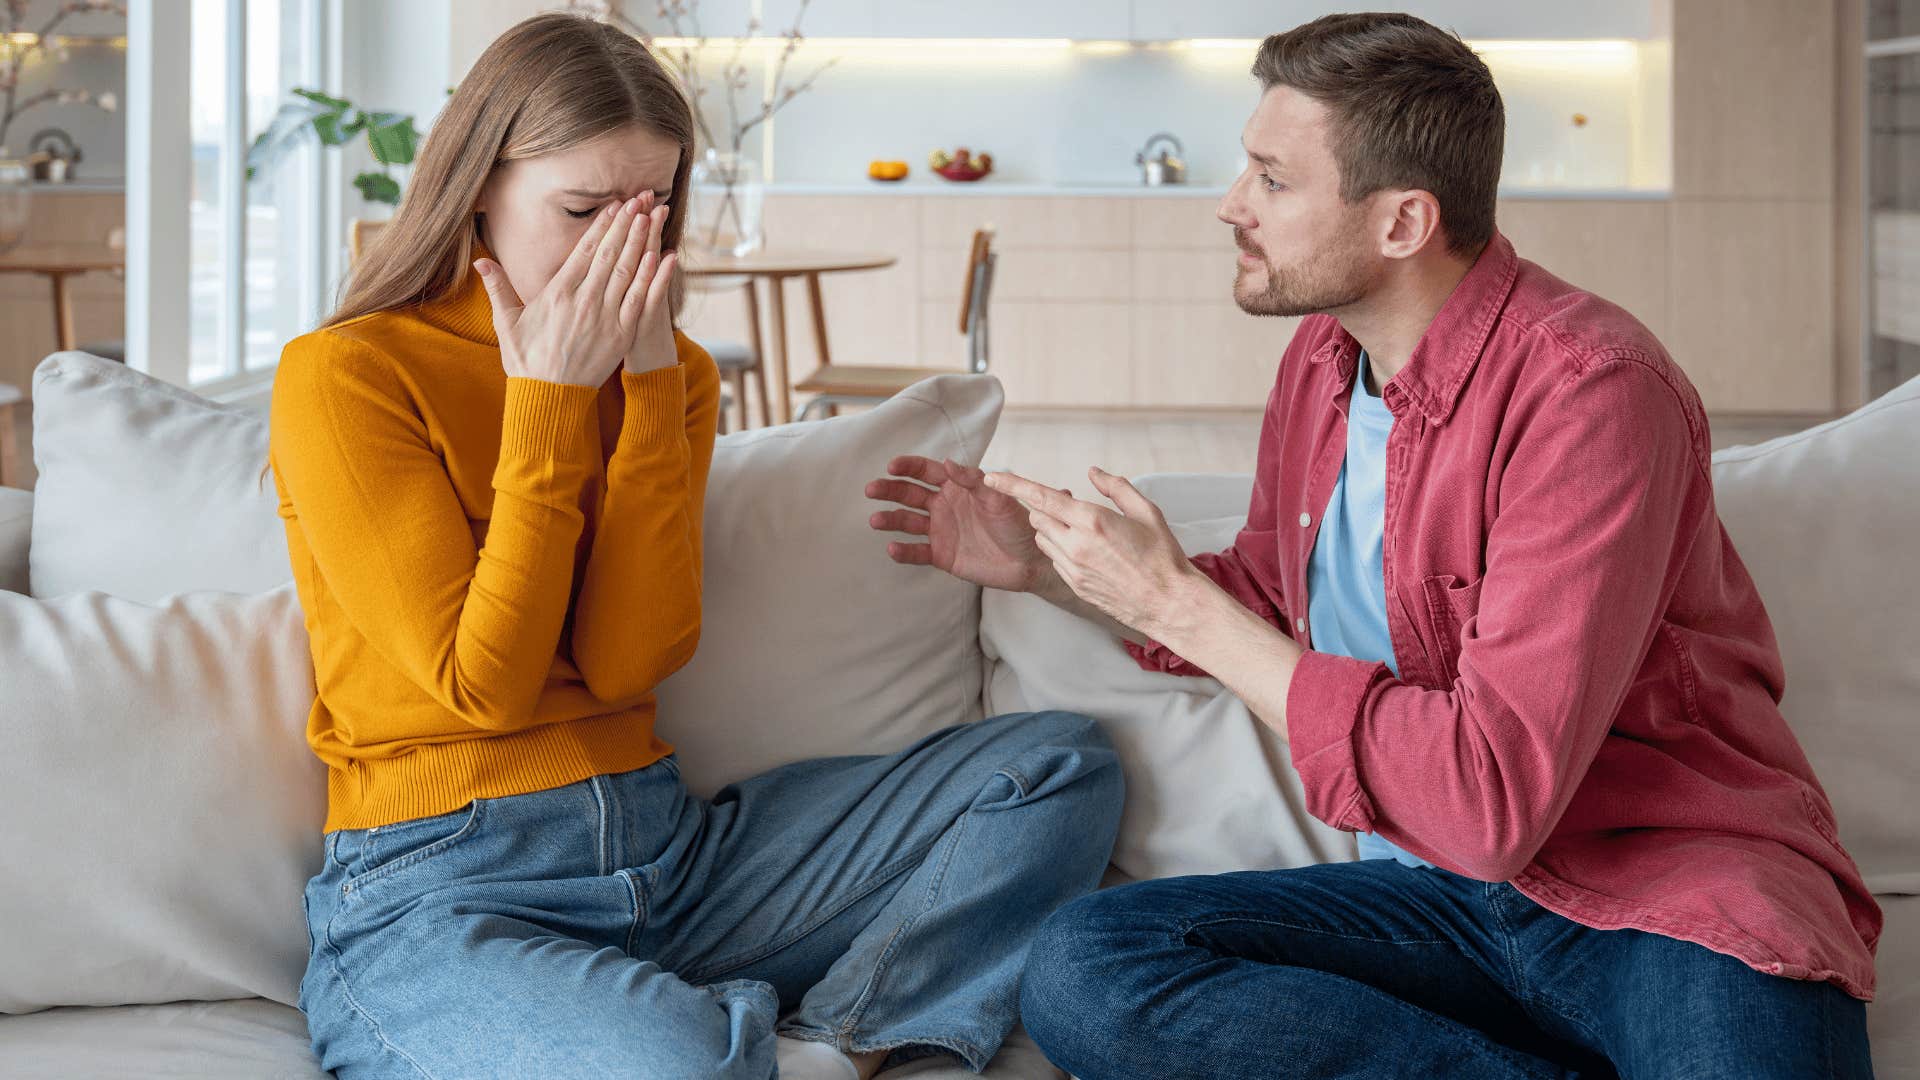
1412 107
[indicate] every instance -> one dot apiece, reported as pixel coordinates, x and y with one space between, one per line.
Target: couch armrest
1197 496
16 523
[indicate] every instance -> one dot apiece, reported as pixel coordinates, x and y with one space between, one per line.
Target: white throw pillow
146 489
1827 521
162 809
1209 787
813 643
16 524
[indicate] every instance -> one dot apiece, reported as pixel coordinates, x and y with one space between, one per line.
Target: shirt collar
1445 357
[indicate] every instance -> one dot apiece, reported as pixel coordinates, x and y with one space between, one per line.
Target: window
257 270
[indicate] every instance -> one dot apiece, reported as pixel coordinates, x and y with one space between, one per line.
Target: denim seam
356 885
1525 992
1440 1024
884 962
642 907
346 991
603 864
1508 947
966 1051
1269 920
881 877
1021 784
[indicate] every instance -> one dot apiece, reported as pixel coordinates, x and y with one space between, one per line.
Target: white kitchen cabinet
1083 20
1167 20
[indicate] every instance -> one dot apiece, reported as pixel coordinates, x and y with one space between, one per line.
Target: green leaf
393 141
327 125
288 128
332 104
378 187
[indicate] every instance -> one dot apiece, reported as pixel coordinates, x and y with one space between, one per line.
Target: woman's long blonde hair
551 83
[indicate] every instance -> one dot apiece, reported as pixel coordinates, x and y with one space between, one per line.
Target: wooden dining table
774 268
57 264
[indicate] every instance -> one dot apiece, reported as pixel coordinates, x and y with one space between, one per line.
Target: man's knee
1079 987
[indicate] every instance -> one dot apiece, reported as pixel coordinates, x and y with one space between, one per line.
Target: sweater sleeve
366 494
637 620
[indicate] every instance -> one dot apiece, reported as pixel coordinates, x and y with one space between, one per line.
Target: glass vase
725 192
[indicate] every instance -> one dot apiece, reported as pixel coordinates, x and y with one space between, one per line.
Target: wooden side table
775 267
57 265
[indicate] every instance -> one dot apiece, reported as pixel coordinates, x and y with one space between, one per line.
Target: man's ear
1415 223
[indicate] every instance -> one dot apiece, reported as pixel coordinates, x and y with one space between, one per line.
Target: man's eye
587 213
1270 183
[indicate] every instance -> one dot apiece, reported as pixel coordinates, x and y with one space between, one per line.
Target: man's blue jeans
1375 969
620 926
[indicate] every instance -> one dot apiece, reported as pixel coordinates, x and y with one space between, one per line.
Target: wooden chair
360 236
738 360
12 402
847 384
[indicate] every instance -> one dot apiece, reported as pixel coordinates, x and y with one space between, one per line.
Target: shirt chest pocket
1448 607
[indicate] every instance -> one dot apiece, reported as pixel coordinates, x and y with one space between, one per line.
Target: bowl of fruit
890 171
961 165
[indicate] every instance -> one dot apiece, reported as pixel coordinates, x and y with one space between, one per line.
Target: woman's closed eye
587 213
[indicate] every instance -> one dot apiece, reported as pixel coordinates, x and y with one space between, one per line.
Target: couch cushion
813 643
1209 787
213 1040
16 524
146 489
252 1039
1826 521
162 808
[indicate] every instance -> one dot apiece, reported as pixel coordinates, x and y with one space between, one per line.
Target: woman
492 487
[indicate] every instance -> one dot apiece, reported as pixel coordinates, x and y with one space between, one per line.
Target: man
1484 593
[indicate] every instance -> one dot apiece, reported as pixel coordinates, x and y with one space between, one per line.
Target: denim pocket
373 855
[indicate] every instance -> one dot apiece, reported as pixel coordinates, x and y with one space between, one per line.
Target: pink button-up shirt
1587 703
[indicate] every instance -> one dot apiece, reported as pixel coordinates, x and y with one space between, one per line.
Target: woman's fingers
574 270
626 269
633 306
612 240
661 287
657 227
506 303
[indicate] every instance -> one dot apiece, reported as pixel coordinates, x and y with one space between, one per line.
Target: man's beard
1328 282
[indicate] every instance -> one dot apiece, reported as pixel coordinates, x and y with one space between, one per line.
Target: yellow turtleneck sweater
495 572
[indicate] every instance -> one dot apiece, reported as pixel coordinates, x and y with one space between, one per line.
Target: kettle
1163 168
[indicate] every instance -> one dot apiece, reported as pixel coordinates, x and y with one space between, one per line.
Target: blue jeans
619 926
1375 969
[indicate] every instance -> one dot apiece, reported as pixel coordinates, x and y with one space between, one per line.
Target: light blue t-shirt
1346 582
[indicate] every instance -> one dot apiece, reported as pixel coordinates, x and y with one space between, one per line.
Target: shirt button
1300 625
1306 519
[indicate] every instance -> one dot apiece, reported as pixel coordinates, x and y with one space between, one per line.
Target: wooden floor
1055 447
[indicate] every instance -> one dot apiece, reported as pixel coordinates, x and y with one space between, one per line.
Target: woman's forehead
622 162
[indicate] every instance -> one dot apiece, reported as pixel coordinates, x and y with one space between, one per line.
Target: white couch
161 810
